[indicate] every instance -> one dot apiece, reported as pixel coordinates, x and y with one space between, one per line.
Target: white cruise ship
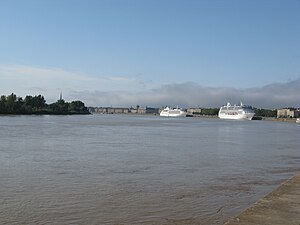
236 112
169 112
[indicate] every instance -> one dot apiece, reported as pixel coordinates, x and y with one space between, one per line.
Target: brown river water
121 169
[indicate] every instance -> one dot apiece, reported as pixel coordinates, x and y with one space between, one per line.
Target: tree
38 102
77 106
209 111
265 112
3 104
12 104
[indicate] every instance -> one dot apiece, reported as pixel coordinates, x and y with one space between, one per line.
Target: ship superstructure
169 112
236 112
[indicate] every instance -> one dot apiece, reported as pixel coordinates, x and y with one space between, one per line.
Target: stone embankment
279 119
280 207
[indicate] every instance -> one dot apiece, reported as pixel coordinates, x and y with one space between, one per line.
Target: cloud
24 80
193 95
13 72
130 91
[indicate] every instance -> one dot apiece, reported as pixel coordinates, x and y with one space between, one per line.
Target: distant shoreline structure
285 114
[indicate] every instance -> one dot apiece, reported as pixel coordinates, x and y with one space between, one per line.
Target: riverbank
254 118
282 206
279 119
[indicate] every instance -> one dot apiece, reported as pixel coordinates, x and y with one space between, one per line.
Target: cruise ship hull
183 114
246 116
167 112
236 112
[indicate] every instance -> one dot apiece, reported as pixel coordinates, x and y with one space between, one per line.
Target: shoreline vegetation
36 105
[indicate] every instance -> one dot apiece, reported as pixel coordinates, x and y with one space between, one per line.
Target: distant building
108 110
150 110
288 113
116 110
297 113
194 110
138 110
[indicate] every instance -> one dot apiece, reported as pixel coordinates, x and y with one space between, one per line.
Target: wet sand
282 206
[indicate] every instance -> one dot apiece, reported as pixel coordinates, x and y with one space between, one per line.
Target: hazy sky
152 52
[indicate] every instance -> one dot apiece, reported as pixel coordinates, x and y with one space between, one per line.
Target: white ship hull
167 112
236 112
245 116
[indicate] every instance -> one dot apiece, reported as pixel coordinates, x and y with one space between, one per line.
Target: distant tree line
209 111
12 104
265 112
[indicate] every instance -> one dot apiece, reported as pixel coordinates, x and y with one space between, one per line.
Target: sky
121 53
